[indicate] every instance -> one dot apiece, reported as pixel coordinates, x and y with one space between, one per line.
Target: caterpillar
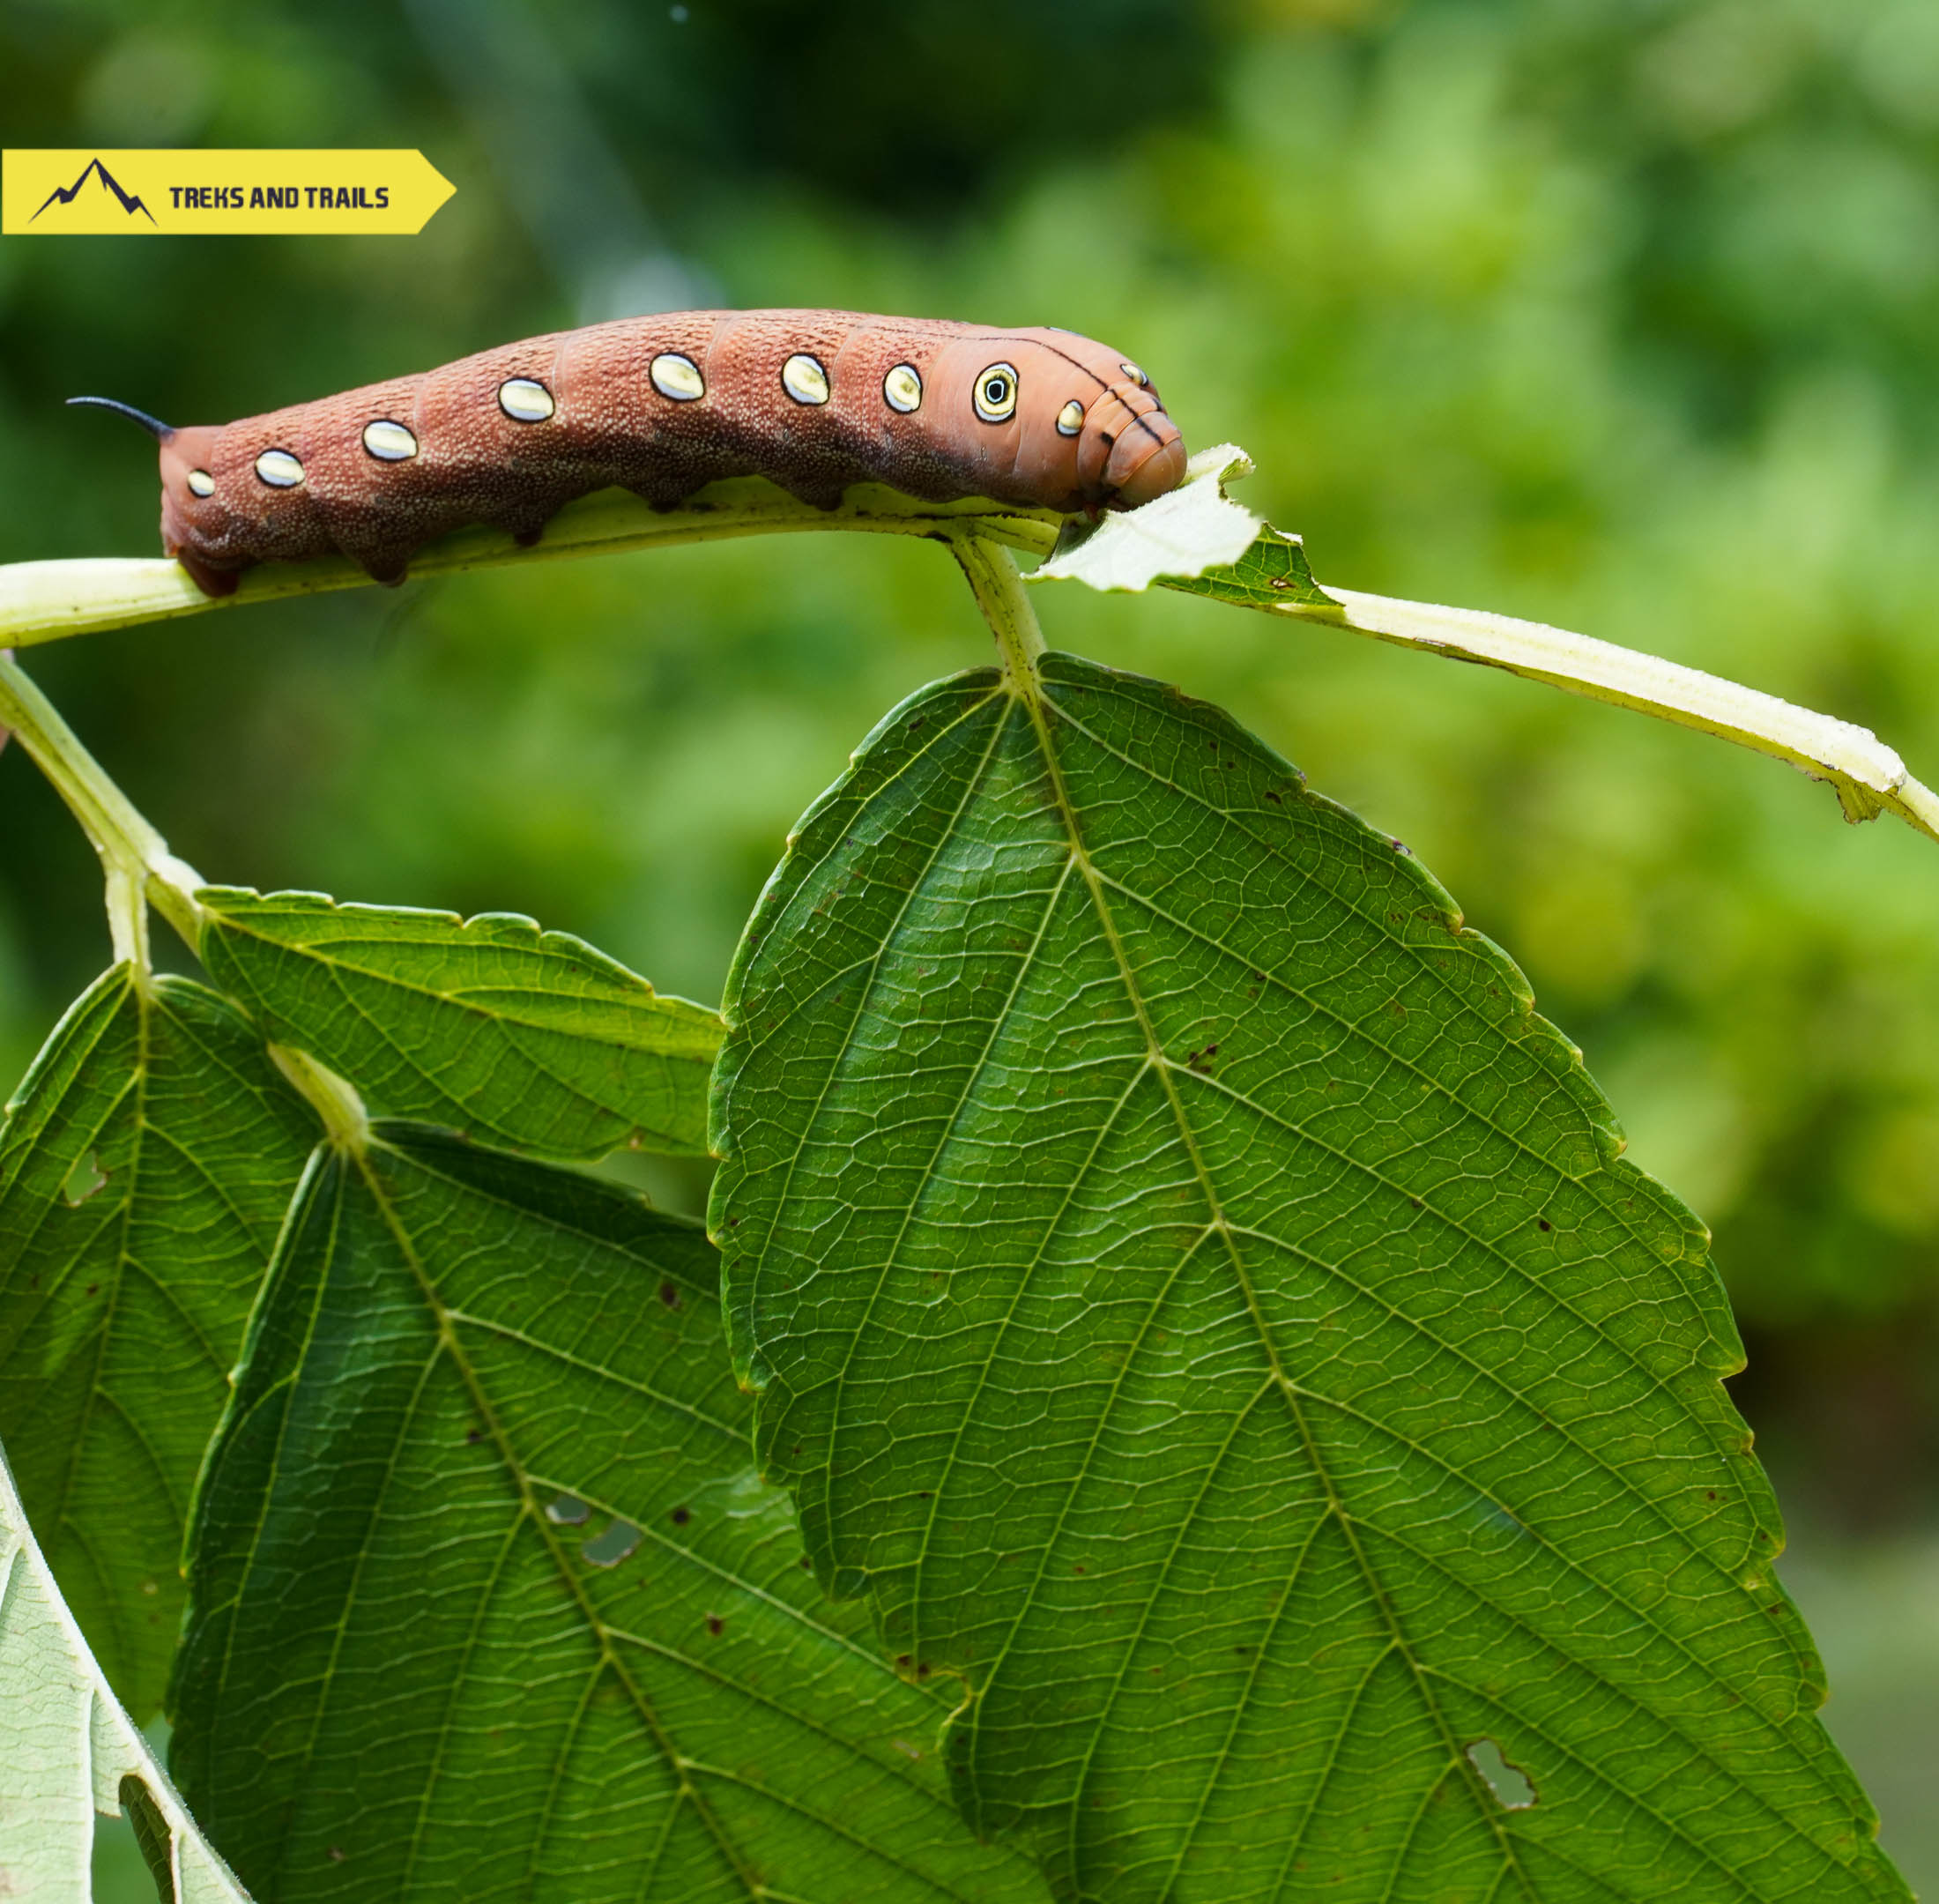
815 400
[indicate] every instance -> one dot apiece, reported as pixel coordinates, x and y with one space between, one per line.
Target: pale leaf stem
46 601
1870 778
999 589
135 858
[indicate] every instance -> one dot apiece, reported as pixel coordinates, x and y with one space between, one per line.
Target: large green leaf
1205 1307
145 1167
68 1752
530 1038
487 1599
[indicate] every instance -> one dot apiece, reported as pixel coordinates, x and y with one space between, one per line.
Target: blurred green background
1619 314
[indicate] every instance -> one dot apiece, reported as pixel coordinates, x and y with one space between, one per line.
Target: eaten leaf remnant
86 1179
1509 1784
615 1544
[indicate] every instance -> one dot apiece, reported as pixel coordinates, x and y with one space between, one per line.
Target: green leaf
487 1594
69 1752
145 1168
1185 532
1272 573
1195 540
530 1038
1200 1303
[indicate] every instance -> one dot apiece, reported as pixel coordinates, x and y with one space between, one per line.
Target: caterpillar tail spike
162 432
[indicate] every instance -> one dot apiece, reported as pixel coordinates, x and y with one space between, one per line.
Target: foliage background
1615 313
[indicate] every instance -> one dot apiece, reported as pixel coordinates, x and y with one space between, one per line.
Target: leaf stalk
997 586
136 862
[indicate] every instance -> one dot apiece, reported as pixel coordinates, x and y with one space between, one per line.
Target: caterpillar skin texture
663 406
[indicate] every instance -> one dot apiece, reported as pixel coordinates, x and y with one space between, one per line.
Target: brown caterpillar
663 406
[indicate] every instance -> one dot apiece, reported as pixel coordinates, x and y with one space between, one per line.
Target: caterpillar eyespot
376 474
678 377
996 393
903 388
389 442
524 401
805 380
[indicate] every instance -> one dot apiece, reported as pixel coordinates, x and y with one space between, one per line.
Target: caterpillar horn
161 431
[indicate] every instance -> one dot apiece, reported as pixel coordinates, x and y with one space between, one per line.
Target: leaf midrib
1274 850
1158 1062
603 1632
645 1000
1030 693
448 1346
1657 1383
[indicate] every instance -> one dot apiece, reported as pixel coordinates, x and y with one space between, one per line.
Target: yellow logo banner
151 194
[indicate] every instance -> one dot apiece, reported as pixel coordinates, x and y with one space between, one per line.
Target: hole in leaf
1513 1788
569 1510
148 1826
87 1178
613 1546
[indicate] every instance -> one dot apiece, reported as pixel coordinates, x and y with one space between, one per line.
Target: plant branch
49 601
46 601
135 858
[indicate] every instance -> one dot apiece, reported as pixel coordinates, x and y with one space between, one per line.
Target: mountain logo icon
67 194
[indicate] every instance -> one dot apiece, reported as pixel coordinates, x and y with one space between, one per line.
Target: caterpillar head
1138 447
1091 430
